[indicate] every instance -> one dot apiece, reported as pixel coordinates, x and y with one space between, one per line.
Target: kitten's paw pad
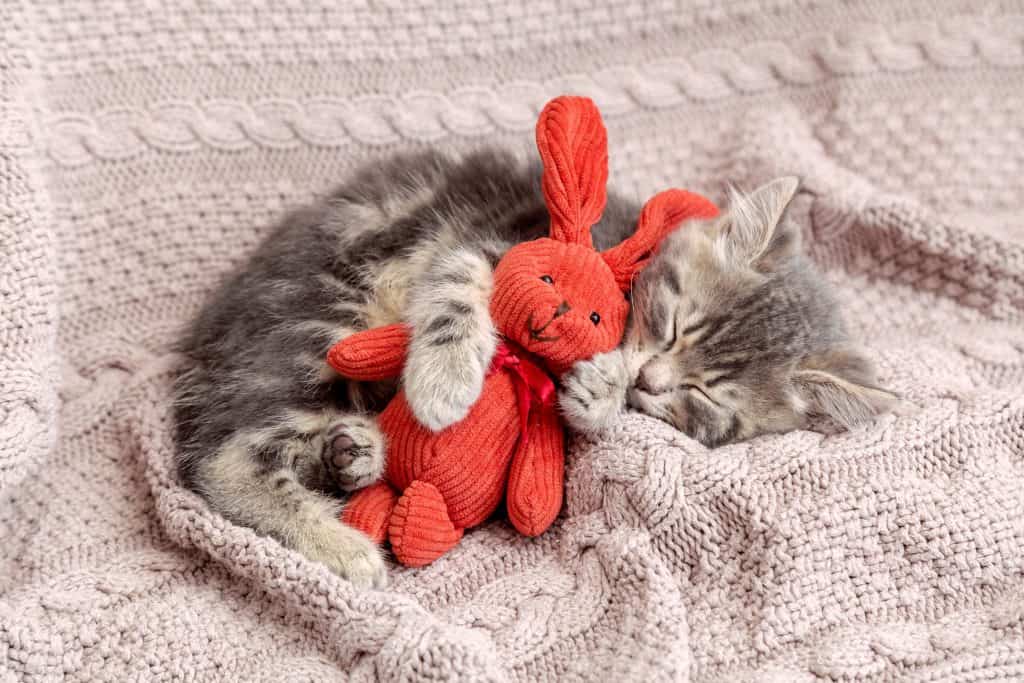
593 392
354 453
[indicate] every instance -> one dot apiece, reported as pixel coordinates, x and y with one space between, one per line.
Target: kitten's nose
653 379
562 309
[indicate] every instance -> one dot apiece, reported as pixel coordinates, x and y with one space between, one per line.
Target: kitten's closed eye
697 391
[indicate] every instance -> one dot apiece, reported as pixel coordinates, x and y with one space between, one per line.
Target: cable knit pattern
427 116
146 148
28 281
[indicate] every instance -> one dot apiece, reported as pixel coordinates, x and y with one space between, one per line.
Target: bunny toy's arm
534 494
372 354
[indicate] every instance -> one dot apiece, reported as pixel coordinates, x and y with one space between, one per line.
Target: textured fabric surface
146 147
443 483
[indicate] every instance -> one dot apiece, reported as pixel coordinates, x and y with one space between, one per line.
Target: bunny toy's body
555 301
455 479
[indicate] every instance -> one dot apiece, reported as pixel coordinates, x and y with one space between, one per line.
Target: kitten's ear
840 384
754 232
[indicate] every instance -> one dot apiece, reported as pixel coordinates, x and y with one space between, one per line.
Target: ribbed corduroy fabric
448 481
559 300
535 480
522 302
661 215
374 355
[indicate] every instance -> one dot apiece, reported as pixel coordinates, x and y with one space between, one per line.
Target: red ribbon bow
534 387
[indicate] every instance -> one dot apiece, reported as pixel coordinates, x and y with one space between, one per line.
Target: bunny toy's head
557 297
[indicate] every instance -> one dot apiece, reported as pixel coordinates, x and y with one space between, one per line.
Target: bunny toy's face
558 301
557 297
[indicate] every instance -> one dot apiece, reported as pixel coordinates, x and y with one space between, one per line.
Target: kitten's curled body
266 433
733 335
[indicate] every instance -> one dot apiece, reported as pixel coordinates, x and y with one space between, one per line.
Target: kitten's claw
593 392
354 452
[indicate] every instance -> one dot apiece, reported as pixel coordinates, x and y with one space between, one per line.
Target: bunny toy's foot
421 530
369 511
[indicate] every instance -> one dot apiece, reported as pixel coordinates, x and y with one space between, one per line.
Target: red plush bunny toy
555 301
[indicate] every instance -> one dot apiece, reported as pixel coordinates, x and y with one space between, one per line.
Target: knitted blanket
146 147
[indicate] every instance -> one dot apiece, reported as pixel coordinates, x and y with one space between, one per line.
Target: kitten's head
735 334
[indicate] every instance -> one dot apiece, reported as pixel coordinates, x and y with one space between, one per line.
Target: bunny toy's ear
573 145
661 215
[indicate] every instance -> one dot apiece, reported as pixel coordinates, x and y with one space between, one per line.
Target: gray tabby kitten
733 334
266 432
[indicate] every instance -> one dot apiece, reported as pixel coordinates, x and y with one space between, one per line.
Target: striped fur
267 434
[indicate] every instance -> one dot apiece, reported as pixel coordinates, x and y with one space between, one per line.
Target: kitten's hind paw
354 452
346 552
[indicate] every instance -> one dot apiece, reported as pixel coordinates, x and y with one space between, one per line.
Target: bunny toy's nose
537 333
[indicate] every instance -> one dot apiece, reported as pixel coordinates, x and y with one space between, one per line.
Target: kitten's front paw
349 554
354 452
453 338
442 384
593 393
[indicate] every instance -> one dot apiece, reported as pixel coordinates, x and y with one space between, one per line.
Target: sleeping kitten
733 334
266 433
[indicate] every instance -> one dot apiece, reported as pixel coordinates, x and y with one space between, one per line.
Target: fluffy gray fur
266 432
733 334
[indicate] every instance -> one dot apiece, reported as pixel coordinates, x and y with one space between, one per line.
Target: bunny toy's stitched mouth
536 333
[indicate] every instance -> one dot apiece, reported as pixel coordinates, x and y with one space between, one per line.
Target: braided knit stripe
79 138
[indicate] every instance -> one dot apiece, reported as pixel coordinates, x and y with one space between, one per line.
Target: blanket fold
144 151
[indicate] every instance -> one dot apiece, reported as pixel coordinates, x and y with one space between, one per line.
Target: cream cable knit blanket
145 147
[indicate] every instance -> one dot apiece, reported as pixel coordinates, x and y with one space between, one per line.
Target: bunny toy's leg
370 511
535 483
421 530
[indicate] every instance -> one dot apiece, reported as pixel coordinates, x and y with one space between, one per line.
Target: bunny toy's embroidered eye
547 279
595 318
